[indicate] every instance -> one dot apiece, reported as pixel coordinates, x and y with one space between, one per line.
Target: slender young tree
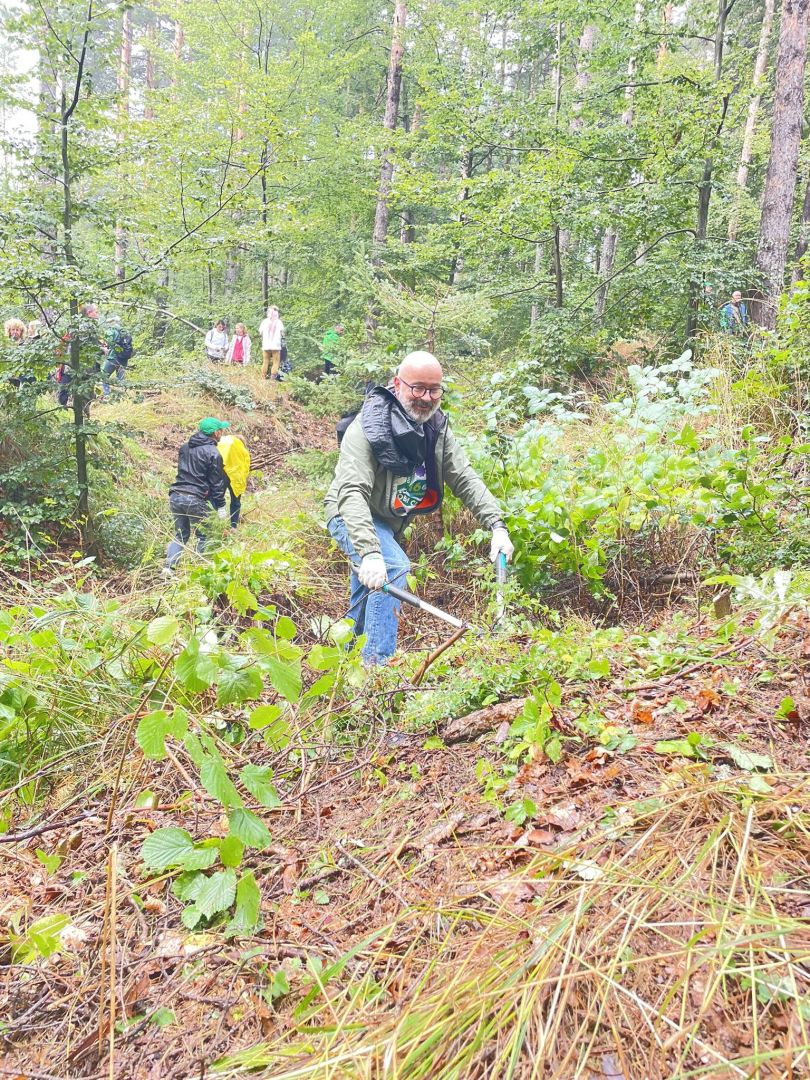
758 81
393 87
780 179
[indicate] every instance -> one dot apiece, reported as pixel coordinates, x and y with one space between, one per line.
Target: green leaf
162 630
553 749
231 850
194 749
285 628
200 858
320 896
285 678
675 746
598 669
217 893
42 939
188 885
217 783
196 671
50 862
162 1017
248 899
241 598
166 847
238 686
153 729
263 715
277 735
434 743
323 685
250 829
324 657
256 779
746 759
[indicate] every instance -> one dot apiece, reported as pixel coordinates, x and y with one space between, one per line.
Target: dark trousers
188 511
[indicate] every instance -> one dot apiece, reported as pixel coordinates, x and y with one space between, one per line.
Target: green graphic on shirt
412 489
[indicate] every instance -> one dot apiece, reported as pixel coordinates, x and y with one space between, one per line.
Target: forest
548 817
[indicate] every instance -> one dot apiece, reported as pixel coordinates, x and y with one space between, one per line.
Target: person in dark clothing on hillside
119 353
200 478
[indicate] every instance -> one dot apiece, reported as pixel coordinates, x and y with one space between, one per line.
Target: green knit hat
210 424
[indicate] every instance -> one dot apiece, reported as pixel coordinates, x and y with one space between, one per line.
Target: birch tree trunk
124 68
780 179
150 72
751 120
705 189
390 124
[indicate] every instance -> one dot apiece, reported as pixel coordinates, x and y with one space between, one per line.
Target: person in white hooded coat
272 332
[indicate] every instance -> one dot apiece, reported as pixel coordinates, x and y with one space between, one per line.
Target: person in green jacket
395 459
330 346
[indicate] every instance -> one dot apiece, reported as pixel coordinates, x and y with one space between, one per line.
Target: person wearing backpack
119 353
216 342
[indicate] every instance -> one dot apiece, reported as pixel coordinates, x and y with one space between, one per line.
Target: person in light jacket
272 331
216 342
395 459
239 348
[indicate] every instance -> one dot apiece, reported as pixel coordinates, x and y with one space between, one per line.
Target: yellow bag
236 460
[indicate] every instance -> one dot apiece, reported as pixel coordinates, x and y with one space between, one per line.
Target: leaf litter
649 919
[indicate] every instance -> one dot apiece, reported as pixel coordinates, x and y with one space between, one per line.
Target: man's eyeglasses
420 391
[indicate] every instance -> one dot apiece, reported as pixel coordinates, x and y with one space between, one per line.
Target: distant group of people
213 463
115 352
732 317
220 349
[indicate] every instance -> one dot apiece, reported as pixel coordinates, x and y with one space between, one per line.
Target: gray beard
419 416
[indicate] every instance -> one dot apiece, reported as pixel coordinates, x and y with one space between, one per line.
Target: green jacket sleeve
353 484
467 485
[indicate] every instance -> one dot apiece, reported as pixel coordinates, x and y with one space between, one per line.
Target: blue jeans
375 614
108 368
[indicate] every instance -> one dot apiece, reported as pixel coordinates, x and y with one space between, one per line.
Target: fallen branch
466 728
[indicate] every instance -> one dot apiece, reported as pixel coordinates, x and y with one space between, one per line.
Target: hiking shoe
167 574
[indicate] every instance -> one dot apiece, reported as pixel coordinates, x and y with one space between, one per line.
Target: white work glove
501 543
222 513
372 572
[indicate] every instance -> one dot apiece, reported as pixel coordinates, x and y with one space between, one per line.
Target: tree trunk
607 259
390 124
407 232
705 189
557 75
537 267
663 48
803 240
124 68
466 173
150 74
557 257
162 297
79 400
179 42
780 179
751 121
583 74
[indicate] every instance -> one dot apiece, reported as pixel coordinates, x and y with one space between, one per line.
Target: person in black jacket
200 478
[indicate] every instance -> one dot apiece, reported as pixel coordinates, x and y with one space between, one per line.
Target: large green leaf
263 715
231 850
195 670
256 779
217 783
217 893
324 657
250 829
162 630
153 729
286 678
240 685
248 899
746 759
166 847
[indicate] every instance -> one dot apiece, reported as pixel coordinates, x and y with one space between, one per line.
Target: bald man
395 459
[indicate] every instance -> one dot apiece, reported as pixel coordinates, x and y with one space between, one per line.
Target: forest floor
636 905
